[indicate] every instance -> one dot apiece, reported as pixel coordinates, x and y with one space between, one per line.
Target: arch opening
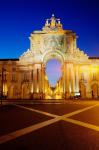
94 88
53 79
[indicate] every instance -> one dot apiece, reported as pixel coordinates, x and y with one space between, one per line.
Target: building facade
25 78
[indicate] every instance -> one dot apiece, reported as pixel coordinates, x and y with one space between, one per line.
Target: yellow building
25 78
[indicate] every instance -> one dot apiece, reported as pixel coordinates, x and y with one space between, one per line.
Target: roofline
17 59
9 59
93 57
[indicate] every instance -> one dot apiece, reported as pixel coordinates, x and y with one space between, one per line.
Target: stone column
67 80
77 79
35 80
88 87
43 79
64 79
37 86
32 81
40 80
72 75
88 91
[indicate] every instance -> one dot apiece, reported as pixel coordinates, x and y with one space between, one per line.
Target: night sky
18 18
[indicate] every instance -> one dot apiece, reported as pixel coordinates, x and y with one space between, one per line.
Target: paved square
59 136
90 116
13 118
59 109
73 125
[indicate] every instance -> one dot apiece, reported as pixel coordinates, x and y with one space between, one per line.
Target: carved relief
69 43
36 44
54 42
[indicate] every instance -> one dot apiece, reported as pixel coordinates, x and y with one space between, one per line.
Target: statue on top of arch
52 24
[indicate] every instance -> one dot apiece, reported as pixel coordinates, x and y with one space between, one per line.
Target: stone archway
53 55
82 90
57 56
94 88
13 91
25 91
54 74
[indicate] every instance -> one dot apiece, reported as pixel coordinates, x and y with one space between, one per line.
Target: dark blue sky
53 71
18 18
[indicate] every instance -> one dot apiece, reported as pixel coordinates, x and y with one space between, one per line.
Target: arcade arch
94 89
82 90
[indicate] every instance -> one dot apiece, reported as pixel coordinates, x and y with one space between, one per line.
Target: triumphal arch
25 78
